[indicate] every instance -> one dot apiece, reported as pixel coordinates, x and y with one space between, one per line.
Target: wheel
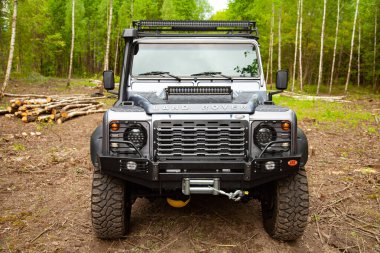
110 206
285 207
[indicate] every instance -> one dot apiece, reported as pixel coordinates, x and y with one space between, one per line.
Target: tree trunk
270 56
352 46
116 52
72 42
322 44
359 54
106 64
296 46
374 54
11 49
300 47
271 47
335 44
279 38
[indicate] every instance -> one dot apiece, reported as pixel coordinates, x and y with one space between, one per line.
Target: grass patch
18 147
350 114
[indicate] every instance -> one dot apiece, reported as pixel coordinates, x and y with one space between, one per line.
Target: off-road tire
110 206
285 207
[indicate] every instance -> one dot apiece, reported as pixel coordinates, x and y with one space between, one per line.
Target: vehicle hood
237 102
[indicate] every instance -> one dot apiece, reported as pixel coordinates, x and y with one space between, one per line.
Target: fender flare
302 146
96 144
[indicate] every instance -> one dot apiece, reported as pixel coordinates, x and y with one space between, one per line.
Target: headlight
263 135
136 134
274 130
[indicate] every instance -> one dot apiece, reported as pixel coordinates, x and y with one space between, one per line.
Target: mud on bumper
168 175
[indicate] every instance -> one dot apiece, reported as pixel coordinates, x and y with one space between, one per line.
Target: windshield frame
252 43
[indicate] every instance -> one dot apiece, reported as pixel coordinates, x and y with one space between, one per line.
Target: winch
209 186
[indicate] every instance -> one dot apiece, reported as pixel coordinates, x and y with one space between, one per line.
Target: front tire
285 207
110 206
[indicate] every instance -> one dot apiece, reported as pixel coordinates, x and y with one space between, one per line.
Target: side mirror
108 80
282 80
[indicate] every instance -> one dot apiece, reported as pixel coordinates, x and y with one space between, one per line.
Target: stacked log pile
31 108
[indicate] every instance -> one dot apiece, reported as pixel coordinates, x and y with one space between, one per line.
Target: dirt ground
45 185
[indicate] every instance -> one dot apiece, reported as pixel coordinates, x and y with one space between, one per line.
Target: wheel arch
302 146
96 144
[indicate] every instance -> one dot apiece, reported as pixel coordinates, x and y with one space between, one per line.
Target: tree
296 45
359 40
374 53
300 47
352 47
335 44
72 41
279 38
322 42
270 53
106 57
11 49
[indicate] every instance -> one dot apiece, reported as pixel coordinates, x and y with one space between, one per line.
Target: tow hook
236 196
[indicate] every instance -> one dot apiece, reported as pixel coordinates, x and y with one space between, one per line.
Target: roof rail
181 28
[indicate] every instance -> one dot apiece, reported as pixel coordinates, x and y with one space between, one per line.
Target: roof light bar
176 25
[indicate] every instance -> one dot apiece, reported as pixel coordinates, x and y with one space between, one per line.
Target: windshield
233 60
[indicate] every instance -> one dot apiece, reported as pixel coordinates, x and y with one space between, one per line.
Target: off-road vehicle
193 116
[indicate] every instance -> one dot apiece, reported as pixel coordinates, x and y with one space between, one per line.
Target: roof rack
182 28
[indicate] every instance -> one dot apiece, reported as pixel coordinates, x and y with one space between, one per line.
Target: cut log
11 109
44 118
73 106
29 118
9 115
2 112
79 113
28 96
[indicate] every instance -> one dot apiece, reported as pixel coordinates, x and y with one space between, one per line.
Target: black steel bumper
168 175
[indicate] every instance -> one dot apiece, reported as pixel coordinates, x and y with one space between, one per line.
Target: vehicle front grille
179 140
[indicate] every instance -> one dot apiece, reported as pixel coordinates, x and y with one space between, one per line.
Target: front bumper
168 175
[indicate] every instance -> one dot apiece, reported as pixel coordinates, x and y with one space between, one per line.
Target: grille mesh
200 139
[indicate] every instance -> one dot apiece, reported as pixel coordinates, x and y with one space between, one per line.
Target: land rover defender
194 116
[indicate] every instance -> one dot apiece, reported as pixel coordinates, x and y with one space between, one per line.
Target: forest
327 46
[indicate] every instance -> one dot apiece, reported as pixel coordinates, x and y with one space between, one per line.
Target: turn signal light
114 126
292 163
285 125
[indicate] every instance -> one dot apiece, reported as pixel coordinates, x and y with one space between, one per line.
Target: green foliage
43 37
18 147
347 114
261 12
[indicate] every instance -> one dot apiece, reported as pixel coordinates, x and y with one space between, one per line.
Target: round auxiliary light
292 163
131 165
137 135
264 134
114 126
285 125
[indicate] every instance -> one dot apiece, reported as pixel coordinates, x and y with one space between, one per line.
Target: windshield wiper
159 73
211 73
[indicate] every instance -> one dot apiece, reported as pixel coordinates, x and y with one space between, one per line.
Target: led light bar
179 25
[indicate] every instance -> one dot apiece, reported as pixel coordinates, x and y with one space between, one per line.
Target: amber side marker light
285 125
292 163
114 126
